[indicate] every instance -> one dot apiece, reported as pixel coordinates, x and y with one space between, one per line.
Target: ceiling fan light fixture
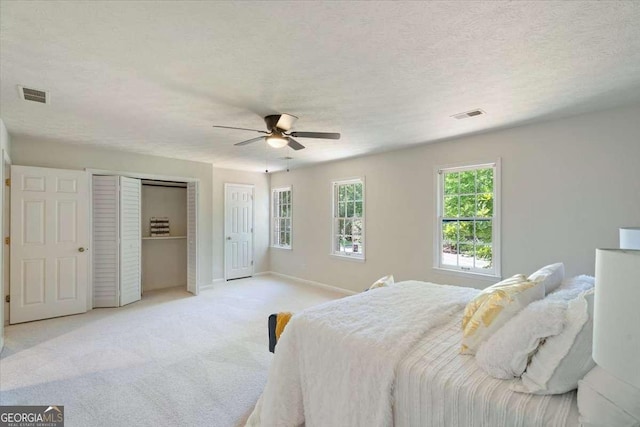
277 141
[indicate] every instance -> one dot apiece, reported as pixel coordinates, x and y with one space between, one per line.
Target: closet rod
177 184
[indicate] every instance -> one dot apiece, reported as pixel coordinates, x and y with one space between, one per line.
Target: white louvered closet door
192 238
130 240
106 281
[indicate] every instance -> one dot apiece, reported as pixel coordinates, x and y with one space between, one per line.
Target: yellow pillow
494 306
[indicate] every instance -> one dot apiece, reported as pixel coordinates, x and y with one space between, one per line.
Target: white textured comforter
335 364
436 386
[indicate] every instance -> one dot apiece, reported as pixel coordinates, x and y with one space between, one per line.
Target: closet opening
164 235
144 236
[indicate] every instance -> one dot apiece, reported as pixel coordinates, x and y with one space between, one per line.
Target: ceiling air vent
34 95
468 114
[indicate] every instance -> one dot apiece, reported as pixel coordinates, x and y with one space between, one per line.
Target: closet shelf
164 237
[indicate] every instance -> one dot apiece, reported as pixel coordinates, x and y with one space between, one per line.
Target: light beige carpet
172 359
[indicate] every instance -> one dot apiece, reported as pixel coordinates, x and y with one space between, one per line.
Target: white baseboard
285 276
262 273
312 283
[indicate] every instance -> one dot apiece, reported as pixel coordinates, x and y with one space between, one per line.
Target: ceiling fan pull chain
266 156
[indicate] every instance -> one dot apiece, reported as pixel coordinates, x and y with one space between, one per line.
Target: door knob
80 249
228 237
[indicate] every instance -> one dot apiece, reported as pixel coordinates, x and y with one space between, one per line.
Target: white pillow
506 353
562 360
551 275
571 288
382 282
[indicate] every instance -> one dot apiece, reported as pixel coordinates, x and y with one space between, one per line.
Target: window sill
469 274
351 258
282 248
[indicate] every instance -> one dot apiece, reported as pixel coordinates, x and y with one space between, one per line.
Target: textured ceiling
152 77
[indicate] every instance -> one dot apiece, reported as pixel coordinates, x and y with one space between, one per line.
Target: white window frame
334 219
495 272
273 218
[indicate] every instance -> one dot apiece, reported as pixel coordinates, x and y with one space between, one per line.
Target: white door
130 240
238 219
49 257
192 238
105 210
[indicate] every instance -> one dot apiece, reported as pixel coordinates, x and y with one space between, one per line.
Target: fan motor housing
272 121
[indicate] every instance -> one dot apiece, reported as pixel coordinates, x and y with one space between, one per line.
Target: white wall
5 146
567 186
30 152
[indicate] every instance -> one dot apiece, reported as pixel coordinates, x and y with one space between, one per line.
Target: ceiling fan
278 133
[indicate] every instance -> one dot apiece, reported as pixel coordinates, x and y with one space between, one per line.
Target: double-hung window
281 218
348 218
468 237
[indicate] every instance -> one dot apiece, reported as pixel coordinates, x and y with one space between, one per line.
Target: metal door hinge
7 298
7 240
251 262
7 182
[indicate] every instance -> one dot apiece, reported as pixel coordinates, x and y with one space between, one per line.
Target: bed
391 357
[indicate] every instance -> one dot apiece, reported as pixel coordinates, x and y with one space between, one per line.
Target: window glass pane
484 230
356 227
358 191
451 183
342 193
451 206
485 180
350 192
358 211
466 255
348 243
467 206
343 243
449 255
347 227
342 210
485 205
350 209
357 244
450 231
283 224
287 195
484 256
466 231
468 182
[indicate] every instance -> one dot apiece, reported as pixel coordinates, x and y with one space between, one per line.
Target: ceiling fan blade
295 144
321 135
286 121
249 141
231 127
